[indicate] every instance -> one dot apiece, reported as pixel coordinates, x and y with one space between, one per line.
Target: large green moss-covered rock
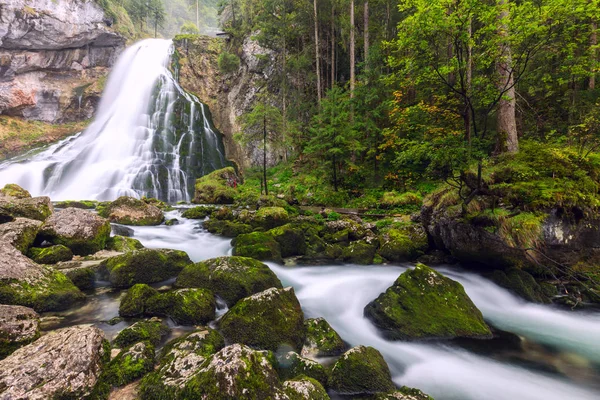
83 277
80 230
134 302
404 244
424 304
152 331
198 212
123 244
235 372
38 208
180 360
186 306
361 370
20 233
23 282
226 228
231 278
359 252
321 339
18 327
258 245
143 266
15 191
404 393
50 255
292 365
270 217
216 187
130 364
83 204
304 388
522 283
266 320
131 211
290 238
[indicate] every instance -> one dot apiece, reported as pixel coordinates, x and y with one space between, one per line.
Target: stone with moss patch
15 191
231 278
235 372
361 370
186 306
266 320
198 212
38 208
83 204
131 211
226 228
270 217
18 327
180 360
20 233
321 339
50 255
152 330
216 187
304 388
257 245
359 252
84 277
403 244
292 365
80 230
134 302
404 393
291 239
123 244
143 266
521 283
130 364
424 304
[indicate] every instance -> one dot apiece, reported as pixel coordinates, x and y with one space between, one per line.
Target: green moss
123 244
271 217
216 187
198 212
50 255
143 266
226 228
130 211
266 320
36 208
404 393
304 387
193 306
403 244
359 252
361 370
231 278
53 292
134 302
130 364
290 238
424 304
152 331
321 339
80 246
258 245
292 365
83 204
15 191
83 278
522 283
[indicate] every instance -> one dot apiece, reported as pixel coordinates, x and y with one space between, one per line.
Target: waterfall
149 138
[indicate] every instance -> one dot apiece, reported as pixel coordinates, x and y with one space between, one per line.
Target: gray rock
20 233
38 208
18 327
66 362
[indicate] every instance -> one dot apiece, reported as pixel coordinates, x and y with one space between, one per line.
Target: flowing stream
149 138
555 355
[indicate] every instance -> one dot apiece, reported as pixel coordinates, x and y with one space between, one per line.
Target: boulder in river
13 190
130 364
82 231
424 304
18 327
292 365
321 339
20 233
131 211
226 228
361 370
257 245
152 331
23 282
231 278
404 393
188 306
50 255
134 303
143 266
403 244
123 244
198 212
216 187
64 363
303 388
267 320
38 208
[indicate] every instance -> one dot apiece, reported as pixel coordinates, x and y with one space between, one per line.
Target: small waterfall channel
149 138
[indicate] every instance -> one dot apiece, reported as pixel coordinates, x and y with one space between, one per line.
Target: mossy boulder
270 217
152 331
231 278
235 372
226 228
522 283
83 277
25 283
18 327
404 393
143 266
20 233
123 244
131 211
359 252
424 304
257 245
266 320
222 214
292 365
38 208
290 238
198 212
50 255
304 388
361 370
216 187
321 339
186 306
83 204
180 360
134 302
405 244
130 364
15 191
80 230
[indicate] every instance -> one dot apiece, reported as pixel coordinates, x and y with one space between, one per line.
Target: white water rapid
563 346
149 138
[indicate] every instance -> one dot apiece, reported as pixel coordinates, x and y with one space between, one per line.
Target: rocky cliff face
228 95
54 55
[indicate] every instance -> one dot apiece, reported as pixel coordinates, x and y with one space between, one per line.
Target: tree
352 50
317 57
157 14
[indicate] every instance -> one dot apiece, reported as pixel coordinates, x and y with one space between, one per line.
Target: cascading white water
149 138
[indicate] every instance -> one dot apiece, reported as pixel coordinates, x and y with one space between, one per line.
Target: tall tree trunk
508 140
366 33
352 51
197 14
265 154
594 61
317 53
332 44
468 80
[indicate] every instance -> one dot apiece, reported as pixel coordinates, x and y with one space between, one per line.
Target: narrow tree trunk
317 53
593 44
332 44
265 154
335 182
366 33
468 80
352 51
508 140
197 14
